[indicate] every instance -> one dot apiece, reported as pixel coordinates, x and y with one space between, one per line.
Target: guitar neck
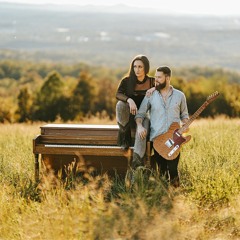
193 117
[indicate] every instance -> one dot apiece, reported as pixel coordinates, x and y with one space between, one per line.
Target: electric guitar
168 144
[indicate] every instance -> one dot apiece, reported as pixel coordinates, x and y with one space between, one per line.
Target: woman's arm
122 90
150 91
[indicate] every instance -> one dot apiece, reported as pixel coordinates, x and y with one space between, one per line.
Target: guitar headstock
212 97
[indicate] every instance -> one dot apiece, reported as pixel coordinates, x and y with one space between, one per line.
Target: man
166 105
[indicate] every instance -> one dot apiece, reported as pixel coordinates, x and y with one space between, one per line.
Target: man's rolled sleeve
144 107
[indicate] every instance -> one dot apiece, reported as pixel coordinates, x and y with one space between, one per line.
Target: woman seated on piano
130 94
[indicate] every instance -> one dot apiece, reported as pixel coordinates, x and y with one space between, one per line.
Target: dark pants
168 168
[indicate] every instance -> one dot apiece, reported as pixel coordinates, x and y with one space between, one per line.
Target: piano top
79 129
77 126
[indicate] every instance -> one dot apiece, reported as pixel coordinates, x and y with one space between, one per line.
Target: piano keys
60 145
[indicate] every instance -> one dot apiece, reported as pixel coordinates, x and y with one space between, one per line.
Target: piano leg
148 153
36 167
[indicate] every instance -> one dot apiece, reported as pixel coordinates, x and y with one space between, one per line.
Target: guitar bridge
169 143
173 151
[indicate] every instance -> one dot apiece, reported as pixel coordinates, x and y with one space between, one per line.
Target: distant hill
113 36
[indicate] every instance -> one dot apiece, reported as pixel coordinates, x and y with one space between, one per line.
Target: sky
213 7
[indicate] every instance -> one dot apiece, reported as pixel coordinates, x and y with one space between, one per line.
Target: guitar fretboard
197 113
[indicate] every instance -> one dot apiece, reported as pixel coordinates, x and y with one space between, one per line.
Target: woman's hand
150 91
132 106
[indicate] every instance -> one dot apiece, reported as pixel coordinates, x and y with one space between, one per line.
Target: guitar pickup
169 143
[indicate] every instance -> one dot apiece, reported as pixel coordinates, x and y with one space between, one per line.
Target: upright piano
60 145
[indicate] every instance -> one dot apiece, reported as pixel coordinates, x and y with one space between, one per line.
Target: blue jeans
123 116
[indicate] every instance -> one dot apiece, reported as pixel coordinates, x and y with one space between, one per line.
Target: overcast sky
216 7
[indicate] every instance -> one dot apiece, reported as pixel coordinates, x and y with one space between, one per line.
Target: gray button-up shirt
163 114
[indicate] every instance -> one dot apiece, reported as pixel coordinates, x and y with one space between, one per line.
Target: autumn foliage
47 92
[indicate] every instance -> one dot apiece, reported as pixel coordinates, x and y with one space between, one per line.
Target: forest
50 92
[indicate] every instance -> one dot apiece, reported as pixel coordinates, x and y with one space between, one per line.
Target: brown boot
137 161
124 136
175 182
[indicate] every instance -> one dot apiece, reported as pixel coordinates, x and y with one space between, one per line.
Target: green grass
206 206
210 162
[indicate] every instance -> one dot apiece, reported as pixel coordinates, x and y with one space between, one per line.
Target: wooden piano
59 145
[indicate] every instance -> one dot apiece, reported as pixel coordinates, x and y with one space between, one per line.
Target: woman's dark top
137 94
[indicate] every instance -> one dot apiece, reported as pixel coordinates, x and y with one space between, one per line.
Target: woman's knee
122 106
122 112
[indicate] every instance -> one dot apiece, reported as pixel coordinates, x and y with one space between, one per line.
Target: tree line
48 92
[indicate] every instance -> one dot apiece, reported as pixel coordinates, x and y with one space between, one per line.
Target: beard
161 86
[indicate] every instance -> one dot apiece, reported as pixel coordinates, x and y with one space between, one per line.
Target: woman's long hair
131 74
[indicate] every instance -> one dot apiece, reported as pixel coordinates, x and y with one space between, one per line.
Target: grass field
206 206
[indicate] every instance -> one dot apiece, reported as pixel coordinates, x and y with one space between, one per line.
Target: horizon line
138 8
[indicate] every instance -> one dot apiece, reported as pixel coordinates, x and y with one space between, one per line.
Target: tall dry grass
206 206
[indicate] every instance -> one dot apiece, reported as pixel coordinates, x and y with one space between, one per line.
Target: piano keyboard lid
80 146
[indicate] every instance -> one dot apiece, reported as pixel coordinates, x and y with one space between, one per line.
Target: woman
130 94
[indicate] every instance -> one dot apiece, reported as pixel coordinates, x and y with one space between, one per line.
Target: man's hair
165 69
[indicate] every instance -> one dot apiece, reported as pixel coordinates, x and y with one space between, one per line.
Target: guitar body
168 144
